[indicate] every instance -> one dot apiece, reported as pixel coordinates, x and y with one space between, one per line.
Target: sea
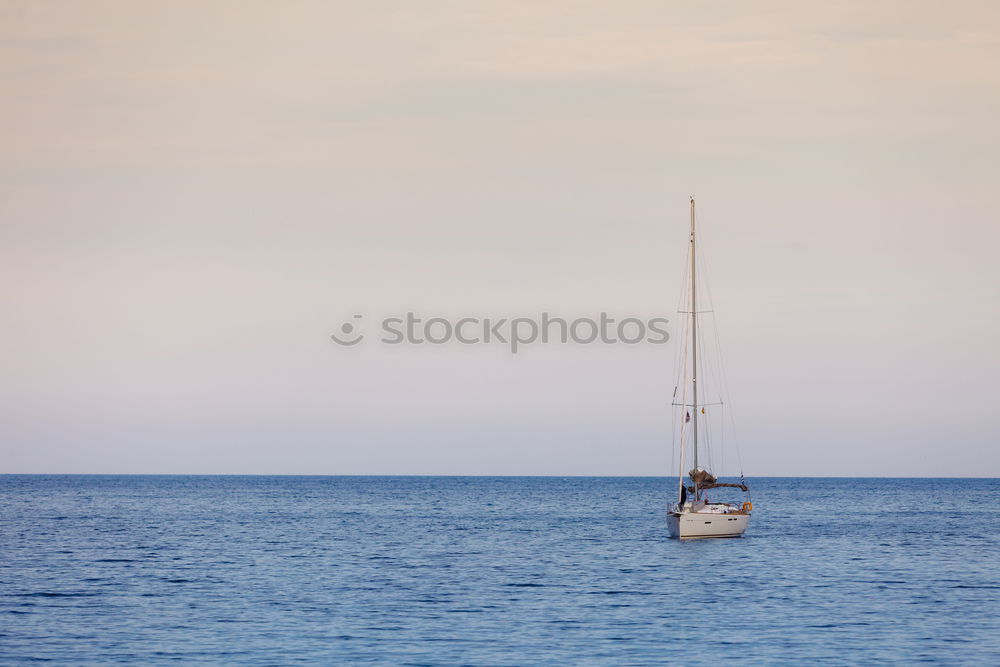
259 570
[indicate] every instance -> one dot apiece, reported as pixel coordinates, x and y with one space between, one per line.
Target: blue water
492 571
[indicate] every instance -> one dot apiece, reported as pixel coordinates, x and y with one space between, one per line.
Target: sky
195 195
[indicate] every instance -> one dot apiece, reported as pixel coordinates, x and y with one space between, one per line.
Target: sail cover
701 477
706 480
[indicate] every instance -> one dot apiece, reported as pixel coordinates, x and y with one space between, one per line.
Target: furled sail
701 477
706 480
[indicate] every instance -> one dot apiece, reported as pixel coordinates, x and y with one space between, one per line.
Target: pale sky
195 195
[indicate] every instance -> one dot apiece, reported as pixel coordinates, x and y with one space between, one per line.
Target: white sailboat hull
691 525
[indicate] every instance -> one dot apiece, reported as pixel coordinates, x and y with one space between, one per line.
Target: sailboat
693 516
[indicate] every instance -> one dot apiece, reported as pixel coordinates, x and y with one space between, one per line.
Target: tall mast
694 354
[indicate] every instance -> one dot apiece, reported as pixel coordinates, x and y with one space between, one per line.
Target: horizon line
545 476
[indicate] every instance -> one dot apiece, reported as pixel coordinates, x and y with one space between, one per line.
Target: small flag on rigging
687 417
